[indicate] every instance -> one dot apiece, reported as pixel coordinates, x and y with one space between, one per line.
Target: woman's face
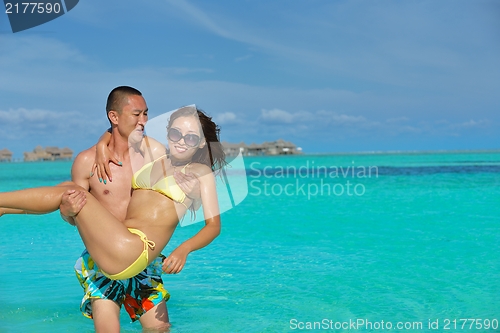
185 137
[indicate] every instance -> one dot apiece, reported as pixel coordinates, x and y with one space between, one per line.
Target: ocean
341 243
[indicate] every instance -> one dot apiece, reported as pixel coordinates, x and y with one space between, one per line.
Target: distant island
278 147
40 154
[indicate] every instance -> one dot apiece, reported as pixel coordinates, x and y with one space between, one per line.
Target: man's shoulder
86 155
83 161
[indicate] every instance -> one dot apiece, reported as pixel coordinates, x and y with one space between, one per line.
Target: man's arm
80 174
82 167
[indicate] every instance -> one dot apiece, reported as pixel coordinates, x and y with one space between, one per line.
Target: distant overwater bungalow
278 147
5 155
48 154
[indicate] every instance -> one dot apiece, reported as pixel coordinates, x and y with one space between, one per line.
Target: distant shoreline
389 152
20 160
375 152
410 152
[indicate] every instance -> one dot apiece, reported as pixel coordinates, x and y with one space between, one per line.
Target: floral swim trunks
138 294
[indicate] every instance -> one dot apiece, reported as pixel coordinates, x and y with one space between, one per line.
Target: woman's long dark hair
212 154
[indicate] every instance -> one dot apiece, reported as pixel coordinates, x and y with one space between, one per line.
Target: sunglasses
191 140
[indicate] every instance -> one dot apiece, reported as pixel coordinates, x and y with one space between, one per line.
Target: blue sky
330 76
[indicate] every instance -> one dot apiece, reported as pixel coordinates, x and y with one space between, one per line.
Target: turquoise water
416 241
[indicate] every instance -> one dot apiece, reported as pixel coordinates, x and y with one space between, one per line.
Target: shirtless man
143 296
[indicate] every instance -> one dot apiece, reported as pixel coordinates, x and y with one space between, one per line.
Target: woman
122 250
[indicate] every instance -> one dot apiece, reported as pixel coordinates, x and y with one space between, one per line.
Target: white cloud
226 118
21 123
343 126
277 116
396 120
471 124
342 119
20 50
34 116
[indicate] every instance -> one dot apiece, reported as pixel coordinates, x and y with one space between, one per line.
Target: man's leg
156 319
106 315
102 297
146 298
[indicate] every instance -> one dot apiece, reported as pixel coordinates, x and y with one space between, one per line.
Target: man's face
133 118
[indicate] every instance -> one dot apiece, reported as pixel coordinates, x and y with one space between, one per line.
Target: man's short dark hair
118 97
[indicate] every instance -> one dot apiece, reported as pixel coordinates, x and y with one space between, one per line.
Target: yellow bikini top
166 185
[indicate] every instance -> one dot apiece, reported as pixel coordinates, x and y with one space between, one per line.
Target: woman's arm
103 157
174 263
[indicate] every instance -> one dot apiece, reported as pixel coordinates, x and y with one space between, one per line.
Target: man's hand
71 204
189 184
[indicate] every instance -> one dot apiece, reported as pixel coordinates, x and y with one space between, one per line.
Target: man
143 296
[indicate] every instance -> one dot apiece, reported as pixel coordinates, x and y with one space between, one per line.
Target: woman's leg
108 241
112 246
5 211
38 200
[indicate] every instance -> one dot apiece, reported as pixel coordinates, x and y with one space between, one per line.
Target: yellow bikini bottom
140 264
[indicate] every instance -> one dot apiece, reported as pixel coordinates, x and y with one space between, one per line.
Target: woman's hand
174 263
189 184
72 203
101 165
